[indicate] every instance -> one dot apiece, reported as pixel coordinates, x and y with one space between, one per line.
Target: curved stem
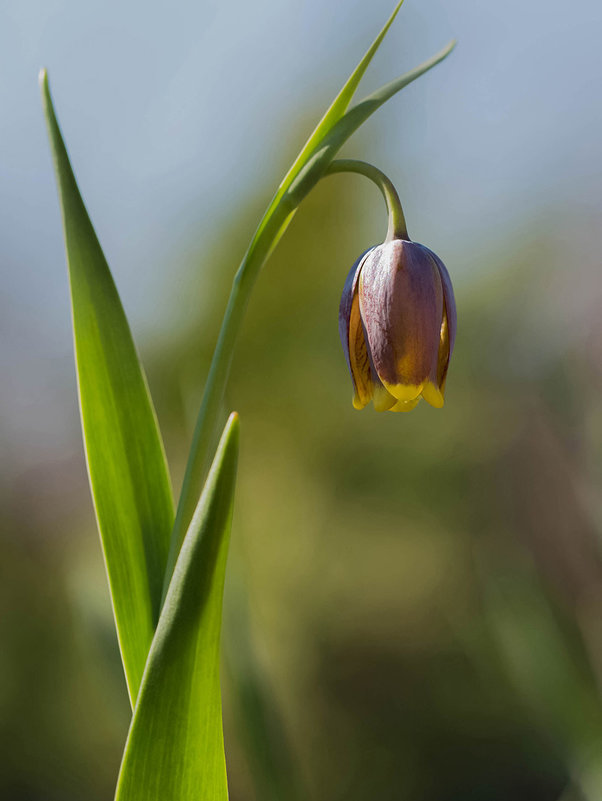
397 223
337 125
267 236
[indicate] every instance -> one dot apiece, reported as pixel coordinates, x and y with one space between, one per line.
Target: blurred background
425 590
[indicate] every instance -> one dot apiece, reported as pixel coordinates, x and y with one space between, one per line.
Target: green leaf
345 96
329 137
353 119
270 230
333 114
358 115
175 747
126 462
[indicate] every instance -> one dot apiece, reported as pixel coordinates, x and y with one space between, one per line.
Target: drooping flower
397 322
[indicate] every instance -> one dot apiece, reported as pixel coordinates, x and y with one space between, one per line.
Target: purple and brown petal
352 338
448 324
401 305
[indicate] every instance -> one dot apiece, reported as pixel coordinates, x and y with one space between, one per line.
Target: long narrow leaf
327 140
333 114
270 230
315 166
345 96
126 461
175 747
357 115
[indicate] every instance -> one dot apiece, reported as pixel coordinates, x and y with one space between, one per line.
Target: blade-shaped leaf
310 165
316 165
345 96
175 748
333 114
275 221
126 462
357 115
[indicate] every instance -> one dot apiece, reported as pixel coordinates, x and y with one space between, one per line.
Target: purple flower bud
397 322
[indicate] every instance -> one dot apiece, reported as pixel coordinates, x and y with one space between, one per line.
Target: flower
397 322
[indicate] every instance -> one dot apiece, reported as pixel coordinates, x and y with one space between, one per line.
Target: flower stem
267 236
397 224
337 125
271 228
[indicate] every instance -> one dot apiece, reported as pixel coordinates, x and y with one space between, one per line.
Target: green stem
332 132
397 224
271 228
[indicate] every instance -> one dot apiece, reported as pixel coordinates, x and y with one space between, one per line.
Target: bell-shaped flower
397 322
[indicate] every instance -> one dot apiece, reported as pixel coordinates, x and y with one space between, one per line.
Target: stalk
265 240
271 228
397 224
314 161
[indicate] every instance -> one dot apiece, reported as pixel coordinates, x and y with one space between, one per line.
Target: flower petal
405 406
433 394
448 300
448 324
444 353
353 340
359 363
401 305
404 392
383 400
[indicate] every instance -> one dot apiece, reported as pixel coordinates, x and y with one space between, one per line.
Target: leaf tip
45 90
451 45
44 87
396 9
233 425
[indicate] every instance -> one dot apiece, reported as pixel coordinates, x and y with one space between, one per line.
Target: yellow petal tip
405 406
432 395
382 399
357 402
404 392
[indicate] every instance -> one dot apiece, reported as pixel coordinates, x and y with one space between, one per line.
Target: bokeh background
424 591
